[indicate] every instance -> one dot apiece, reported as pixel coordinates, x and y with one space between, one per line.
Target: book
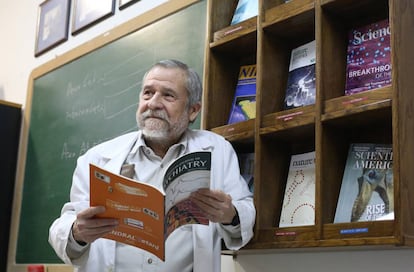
367 192
368 64
244 102
245 9
301 84
147 215
246 163
298 207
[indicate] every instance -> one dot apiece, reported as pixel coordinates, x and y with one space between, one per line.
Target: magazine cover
246 162
299 200
147 215
245 9
368 58
301 84
244 102
367 192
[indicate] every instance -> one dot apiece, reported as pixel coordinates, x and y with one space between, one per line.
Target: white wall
17 38
18 22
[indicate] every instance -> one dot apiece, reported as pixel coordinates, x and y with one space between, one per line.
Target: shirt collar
141 145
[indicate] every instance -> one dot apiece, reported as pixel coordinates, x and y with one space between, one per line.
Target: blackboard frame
133 25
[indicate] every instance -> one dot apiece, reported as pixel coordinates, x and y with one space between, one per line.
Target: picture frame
126 3
87 13
52 25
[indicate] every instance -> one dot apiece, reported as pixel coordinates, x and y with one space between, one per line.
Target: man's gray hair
193 82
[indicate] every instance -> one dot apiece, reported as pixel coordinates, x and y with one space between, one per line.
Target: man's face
163 113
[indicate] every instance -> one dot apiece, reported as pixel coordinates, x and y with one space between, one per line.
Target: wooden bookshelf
382 115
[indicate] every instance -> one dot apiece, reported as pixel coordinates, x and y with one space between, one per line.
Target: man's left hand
215 204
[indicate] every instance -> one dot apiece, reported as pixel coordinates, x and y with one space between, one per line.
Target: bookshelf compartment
274 152
220 89
223 60
337 135
277 39
336 20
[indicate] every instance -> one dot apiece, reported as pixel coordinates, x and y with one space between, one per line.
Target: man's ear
193 111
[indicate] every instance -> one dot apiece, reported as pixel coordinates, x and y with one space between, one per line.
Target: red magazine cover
368 58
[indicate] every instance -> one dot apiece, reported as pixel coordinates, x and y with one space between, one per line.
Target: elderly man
169 101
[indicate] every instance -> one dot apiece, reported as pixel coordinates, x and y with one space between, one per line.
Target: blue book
244 102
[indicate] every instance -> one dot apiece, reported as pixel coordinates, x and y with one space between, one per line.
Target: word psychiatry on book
299 200
367 190
244 101
368 57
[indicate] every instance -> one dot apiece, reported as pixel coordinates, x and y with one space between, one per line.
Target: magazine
245 9
244 102
299 200
147 215
301 83
368 57
367 190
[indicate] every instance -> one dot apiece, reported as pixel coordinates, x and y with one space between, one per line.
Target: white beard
160 128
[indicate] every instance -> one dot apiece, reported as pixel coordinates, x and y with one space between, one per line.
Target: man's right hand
87 228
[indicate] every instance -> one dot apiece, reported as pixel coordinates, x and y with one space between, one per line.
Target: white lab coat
207 245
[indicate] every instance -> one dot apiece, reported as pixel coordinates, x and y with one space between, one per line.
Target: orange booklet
147 216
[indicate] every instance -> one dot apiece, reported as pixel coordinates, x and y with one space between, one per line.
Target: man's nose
155 101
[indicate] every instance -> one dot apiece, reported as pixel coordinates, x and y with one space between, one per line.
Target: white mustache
155 114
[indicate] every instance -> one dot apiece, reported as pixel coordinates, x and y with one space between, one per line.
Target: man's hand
87 228
215 204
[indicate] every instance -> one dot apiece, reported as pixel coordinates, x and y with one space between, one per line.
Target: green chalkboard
84 102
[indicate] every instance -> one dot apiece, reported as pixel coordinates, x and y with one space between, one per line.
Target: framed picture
52 24
89 12
126 3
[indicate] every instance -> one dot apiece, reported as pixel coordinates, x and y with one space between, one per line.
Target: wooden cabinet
10 117
382 115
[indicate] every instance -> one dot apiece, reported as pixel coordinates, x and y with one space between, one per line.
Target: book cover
367 192
245 9
368 57
298 207
244 102
246 163
147 215
301 85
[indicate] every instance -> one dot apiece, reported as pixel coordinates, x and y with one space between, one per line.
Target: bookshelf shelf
383 115
237 132
294 14
287 119
245 30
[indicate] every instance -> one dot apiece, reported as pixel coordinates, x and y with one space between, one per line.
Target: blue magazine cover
244 103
